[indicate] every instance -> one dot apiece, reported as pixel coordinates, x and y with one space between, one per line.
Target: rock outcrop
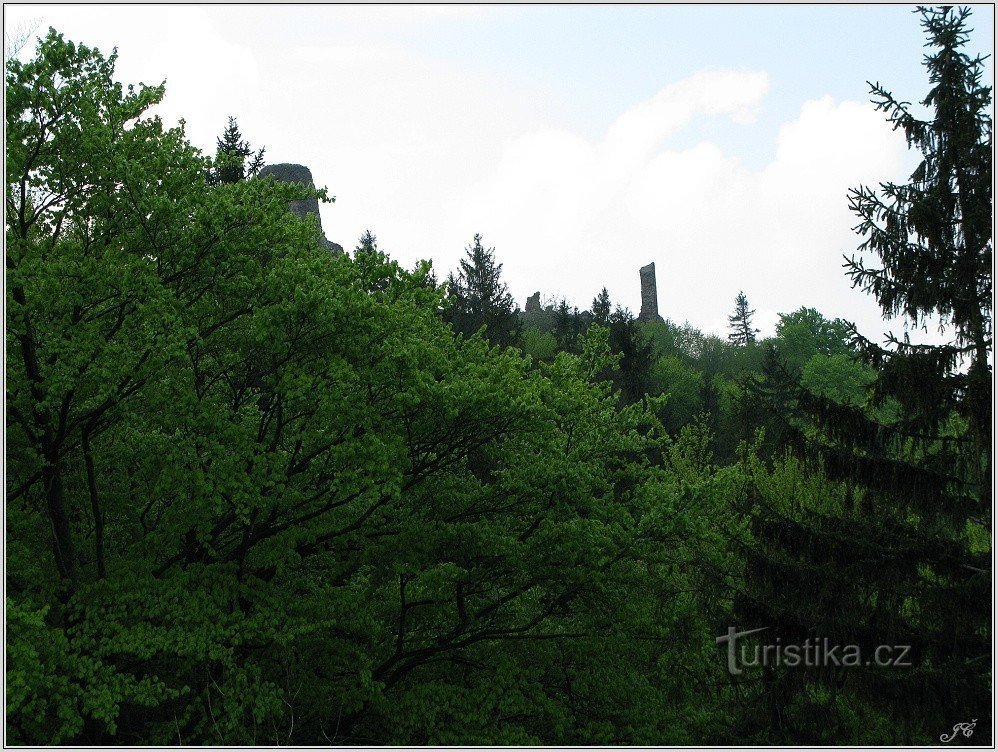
649 296
296 173
533 302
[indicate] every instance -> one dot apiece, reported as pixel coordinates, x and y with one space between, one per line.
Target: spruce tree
637 353
231 154
257 162
740 323
567 326
368 242
933 237
480 298
602 308
890 544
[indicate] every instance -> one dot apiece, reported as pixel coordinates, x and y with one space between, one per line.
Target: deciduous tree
261 493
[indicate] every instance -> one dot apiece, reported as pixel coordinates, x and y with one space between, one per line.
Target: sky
582 142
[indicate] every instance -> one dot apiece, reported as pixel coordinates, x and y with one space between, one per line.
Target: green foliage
805 333
888 543
261 494
568 326
933 236
684 341
740 323
684 385
368 243
54 687
479 297
601 308
540 346
838 377
636 355
231 154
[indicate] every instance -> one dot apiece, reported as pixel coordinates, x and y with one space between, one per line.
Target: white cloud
391 134
574 215
426 154
207 77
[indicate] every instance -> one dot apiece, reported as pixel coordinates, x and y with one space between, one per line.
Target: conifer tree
368 243
602 308
892 547
567 326
231 154
481 298
637 353
740 323
933 237
257 162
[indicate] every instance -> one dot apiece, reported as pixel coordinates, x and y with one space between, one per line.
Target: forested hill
260 491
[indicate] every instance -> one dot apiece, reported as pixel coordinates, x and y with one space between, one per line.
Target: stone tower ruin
649 296
296 173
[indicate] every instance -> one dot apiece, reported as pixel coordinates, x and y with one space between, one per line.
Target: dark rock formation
296 173
533 302
649 296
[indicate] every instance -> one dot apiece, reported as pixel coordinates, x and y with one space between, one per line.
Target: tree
64 198
839 378
540 346
602 308
110 208
568 326
231 155
257 162
933 238
480 297
15 39
260 493
628 340
368 243
740 323
684 385
891 543
806 332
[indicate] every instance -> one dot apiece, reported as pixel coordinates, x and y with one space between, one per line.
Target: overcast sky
582 142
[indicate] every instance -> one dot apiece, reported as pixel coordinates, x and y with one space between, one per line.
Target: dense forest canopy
261 493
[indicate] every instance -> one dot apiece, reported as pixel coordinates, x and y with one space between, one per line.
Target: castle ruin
296 173
649 296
